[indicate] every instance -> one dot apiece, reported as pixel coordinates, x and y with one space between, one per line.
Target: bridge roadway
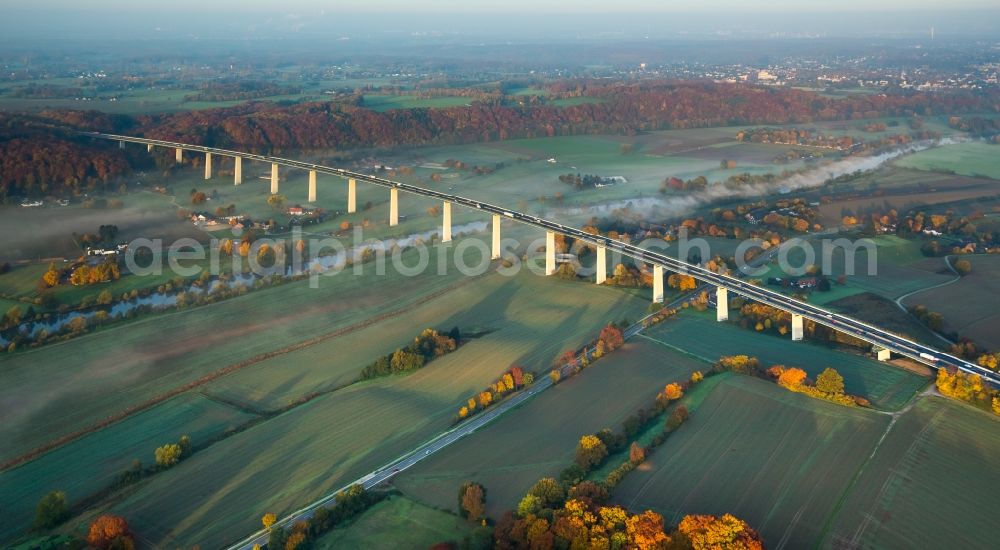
874 335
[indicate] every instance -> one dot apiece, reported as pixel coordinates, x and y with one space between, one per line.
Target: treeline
427 346
625 108
512 380
829 385
988 128
37 160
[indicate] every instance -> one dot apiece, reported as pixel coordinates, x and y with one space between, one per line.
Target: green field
966 304
510 311
776 459
318 447
395 523
931 484
94 462
44 395
538 439
967 159
699 334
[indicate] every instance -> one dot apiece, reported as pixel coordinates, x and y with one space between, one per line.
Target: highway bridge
800 311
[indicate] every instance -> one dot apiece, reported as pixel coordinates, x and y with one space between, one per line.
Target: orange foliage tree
108 530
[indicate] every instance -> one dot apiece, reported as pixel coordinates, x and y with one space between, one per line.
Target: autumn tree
268 520
645 530
673 391
963 267
636 454
549 492
830 381
110 531
590 451
793 378
472 500
51 277
709 532
612 338
168 455
51 511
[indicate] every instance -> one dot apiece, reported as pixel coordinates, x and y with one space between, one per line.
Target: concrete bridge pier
496 237
602 265
312 186
149 147
446 223
550 252
721 303
238 171
208 166
393 207
121 144
352 196
658 284
179 155
797 331
274 178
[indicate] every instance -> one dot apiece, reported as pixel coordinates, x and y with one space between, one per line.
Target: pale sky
528 6
508 18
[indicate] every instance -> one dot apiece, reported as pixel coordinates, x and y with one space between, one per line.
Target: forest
52 162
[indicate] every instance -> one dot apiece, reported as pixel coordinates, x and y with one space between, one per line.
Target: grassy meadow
968 159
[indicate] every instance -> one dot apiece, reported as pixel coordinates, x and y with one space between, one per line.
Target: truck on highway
928 357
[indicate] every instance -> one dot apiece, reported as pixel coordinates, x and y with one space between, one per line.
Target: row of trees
347 504
829 384
82 274
428 345
512 380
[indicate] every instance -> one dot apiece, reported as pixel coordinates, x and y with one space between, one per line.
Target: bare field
777 459
931 484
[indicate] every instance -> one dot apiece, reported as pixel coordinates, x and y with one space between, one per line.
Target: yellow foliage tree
673 391
268 520
51 277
